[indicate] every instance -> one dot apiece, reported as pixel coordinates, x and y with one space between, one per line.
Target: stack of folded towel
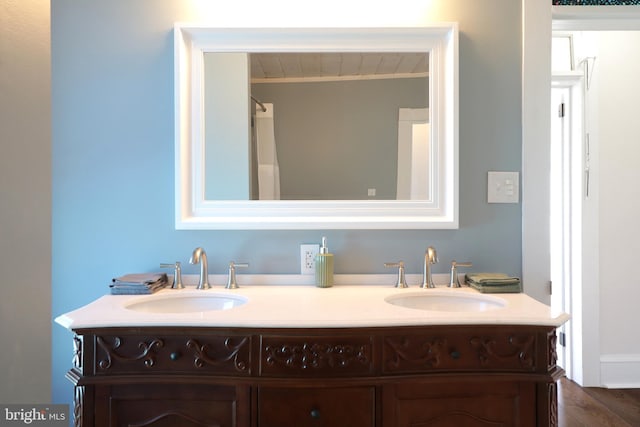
133 284
494 283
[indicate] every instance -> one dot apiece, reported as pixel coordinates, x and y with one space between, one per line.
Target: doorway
599 293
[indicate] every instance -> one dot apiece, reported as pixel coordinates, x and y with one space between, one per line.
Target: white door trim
536 129
569 164
594 18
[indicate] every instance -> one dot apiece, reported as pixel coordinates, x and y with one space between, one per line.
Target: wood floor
597 407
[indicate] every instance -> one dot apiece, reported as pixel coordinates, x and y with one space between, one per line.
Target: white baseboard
620 370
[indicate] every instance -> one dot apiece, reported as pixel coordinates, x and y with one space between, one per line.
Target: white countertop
306 306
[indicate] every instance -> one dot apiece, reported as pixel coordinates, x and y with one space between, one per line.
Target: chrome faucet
200 256
430 257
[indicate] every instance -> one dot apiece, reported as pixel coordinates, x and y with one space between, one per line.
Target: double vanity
281 356
276 354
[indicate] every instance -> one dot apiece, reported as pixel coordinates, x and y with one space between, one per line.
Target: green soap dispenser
324 266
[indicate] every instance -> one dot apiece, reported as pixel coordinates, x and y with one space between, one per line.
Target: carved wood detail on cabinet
495 351
553 404
551 347
229 352
509 350
127 353
78 401
380 377
77 352
548 406
316 355
411 351
146 352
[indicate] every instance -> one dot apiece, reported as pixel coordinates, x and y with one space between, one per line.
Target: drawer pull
315 414
175 355
455 355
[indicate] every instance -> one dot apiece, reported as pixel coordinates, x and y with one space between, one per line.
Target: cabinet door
459 404
316 407
176 405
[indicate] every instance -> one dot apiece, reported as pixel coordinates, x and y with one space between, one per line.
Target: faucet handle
402 281
231 280
454 281
177 274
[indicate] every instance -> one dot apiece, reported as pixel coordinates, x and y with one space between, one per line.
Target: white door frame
567 162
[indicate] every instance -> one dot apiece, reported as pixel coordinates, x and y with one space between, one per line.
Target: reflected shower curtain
268 169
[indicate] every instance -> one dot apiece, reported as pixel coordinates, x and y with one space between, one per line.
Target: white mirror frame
194 212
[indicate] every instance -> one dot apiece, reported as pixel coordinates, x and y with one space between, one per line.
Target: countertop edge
310 307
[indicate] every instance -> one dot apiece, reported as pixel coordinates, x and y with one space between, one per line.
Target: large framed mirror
316 128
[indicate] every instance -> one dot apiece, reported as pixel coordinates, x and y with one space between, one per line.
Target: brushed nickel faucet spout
430 257
200 256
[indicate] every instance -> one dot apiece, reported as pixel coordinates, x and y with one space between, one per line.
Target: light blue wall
112 100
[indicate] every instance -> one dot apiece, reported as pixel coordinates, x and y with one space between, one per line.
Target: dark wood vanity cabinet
336 377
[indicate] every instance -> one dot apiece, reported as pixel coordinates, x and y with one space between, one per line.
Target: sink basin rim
446 301
185 303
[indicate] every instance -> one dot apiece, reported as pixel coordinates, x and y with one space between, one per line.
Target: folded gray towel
133 284
140 278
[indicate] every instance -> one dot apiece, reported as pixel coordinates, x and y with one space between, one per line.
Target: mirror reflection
320 126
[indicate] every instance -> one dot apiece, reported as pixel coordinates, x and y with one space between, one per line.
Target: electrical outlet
308 254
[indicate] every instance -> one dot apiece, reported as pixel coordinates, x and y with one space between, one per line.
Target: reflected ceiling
337 65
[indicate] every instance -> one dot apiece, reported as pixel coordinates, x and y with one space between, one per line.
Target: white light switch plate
503 187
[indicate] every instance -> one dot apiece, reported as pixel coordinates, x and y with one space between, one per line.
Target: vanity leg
78 400
548 404
82 406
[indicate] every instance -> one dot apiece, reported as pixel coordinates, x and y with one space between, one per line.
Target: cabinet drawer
316 356
326 407
499 351
175 354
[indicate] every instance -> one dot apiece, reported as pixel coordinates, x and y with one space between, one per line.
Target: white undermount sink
434 300
186 303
